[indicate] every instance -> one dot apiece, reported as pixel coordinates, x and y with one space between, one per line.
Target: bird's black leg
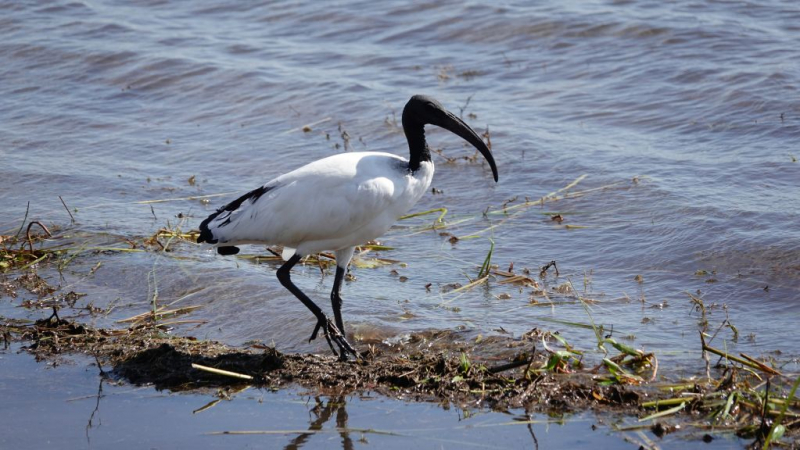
330 330
343 257
336 299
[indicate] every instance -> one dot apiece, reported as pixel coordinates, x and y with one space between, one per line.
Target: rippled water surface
678 120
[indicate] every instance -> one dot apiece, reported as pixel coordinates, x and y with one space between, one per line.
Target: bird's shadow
165 367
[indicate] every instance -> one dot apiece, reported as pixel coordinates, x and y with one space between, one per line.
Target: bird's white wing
332 203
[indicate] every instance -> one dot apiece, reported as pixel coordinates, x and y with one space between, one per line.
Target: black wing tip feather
206 235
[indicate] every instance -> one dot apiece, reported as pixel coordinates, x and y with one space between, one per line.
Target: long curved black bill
457 126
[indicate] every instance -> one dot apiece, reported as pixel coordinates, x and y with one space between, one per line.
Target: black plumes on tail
225 251
206 235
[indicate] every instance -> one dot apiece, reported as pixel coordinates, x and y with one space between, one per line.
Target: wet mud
496 373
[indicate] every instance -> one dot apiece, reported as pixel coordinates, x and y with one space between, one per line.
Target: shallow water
687 110
70 407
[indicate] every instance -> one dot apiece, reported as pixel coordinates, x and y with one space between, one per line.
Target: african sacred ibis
336 203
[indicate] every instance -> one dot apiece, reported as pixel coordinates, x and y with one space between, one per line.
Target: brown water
689 110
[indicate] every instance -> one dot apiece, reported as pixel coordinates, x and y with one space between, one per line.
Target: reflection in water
322 413
90 423
533 435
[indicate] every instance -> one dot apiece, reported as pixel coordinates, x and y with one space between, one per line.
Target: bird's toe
332 334
320 324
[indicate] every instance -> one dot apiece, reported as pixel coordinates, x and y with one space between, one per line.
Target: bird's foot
332 334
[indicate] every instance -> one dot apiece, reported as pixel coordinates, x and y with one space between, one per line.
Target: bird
335 204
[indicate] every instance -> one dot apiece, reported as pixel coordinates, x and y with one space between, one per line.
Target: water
71 408
688 110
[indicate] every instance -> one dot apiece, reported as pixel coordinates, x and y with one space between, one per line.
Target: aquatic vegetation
541 370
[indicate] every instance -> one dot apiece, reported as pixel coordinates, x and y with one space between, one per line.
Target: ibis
335 204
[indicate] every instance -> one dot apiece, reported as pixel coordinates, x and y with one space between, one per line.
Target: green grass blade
777 429
487 262
666 412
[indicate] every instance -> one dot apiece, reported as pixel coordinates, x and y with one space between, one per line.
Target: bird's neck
417 146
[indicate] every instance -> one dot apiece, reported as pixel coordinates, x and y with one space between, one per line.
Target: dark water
689 111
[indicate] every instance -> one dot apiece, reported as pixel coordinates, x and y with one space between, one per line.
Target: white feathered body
330 204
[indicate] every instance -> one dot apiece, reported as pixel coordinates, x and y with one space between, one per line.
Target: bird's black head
422 110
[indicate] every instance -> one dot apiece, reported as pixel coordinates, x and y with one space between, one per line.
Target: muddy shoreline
499 374
426 369
538 371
